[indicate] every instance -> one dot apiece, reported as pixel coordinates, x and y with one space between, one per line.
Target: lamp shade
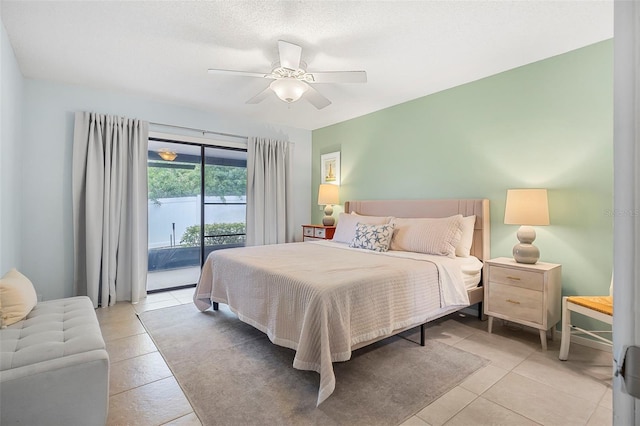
288 89
526 207
328 194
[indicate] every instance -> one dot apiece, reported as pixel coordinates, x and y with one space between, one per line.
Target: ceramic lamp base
526 252
328 219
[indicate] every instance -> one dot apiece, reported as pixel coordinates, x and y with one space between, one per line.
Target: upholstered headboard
481 247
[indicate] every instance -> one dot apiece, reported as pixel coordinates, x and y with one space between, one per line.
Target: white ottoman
54 369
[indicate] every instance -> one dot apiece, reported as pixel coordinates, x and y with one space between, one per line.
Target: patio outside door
179 174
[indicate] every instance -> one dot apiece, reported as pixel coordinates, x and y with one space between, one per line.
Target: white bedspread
323 298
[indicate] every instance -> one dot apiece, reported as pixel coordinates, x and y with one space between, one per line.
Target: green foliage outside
220 181
191 236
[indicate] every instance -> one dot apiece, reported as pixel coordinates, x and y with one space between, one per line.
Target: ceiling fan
291 79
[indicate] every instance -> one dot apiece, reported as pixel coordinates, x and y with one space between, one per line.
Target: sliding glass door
197 204
224 210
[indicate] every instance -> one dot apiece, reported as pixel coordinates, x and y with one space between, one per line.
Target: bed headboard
481 247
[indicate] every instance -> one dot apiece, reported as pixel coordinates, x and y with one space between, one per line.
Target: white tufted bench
54 369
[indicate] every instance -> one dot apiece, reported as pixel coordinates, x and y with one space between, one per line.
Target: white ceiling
162 49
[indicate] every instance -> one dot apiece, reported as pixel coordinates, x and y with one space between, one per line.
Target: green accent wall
548 124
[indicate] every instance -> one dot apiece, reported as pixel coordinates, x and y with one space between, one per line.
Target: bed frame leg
214 305
422 335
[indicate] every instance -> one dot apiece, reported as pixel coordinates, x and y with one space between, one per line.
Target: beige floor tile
189 420
183 292
414 421
152 404
185 300
445 407
112 330
607 399
450 332
501 351
133 372
588 361
555 373
483 412
157 297
522 333
483 379
601 417
148 306
539 402
135 360
130 347
118 312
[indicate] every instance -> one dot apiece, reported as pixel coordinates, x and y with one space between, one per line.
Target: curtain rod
200 130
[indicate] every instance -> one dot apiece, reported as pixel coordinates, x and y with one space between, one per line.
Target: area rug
233 375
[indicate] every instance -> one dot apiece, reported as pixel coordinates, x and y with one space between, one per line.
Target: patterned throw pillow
372 237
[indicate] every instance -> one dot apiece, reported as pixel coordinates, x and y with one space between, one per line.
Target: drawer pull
509 277
515 302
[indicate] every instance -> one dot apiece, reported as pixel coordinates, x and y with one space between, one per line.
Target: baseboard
578 340
587 342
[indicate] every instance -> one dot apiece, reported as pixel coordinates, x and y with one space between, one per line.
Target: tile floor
522 385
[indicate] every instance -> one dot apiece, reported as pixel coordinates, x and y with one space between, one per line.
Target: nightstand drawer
317 232
516 302
517 277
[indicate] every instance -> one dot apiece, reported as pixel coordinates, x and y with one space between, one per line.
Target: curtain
109 185
268 191
626 226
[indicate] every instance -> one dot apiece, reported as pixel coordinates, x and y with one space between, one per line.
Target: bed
325 299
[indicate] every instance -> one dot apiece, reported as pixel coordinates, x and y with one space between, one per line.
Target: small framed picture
330 168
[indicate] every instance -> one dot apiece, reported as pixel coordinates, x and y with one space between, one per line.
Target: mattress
471 268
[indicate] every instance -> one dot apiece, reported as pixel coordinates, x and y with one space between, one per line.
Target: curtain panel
268 191
109 185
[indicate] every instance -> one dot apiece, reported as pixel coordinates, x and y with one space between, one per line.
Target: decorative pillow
463 249
346 227
17 297
372 237
428 235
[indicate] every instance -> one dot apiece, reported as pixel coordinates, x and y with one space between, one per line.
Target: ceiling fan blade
239 73
338 77
260 96
290 55
315 98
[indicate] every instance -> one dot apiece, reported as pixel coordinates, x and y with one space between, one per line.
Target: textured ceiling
162 49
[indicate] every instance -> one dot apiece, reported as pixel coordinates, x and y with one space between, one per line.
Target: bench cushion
53 329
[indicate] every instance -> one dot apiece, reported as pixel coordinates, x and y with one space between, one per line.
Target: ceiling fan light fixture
288 89
167 154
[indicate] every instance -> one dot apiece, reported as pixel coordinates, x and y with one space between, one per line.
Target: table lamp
328 196
528 208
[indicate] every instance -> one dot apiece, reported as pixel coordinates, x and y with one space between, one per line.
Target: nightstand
317 232
525 294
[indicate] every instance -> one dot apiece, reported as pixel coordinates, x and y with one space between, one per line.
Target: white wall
11 148
46 208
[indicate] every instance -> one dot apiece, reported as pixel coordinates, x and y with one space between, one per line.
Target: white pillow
463 248
373 237
17 297
346 227
438 236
